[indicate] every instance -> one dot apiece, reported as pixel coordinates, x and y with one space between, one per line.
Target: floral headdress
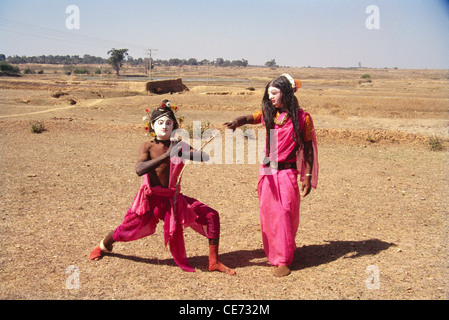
296 84
165 109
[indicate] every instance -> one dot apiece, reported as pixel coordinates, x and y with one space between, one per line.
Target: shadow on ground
305 257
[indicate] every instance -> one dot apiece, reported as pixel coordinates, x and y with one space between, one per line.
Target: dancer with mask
291 149
160 163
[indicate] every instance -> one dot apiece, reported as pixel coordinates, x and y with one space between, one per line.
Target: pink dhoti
152 204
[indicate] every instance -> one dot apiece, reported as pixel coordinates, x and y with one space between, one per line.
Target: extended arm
239 121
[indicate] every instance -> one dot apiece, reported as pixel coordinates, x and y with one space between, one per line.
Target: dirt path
52 110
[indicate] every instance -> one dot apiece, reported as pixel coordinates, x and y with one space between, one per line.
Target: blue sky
319 33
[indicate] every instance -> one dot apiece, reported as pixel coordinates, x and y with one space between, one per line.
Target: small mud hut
166 86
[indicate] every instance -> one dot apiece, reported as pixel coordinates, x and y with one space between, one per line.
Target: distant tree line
88 59
51 59
219 62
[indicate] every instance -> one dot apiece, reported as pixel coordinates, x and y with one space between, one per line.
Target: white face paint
275 96
163 128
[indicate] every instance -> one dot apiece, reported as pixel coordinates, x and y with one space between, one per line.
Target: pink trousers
135 226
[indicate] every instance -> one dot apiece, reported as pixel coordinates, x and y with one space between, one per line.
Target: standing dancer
295 152
161 162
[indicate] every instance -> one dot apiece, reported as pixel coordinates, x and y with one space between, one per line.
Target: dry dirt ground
379 212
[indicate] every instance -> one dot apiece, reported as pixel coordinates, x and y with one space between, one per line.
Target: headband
159 113
296 84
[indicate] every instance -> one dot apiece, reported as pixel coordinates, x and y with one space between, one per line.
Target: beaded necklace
280 123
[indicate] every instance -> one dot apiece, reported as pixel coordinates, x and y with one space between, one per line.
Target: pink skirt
279 201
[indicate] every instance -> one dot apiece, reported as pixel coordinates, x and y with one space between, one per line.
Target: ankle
105 248
281 271
213 254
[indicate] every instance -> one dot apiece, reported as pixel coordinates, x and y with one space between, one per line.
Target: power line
72 37
23 28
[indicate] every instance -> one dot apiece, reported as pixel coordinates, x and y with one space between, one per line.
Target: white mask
163 128
275 96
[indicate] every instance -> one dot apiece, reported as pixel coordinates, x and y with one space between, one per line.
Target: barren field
380 206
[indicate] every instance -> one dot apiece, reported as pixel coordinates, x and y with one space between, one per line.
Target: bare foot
281 271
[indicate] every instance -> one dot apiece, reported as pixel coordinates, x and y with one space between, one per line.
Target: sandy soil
381 199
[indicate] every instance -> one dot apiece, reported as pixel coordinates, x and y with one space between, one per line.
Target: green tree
219 62
117 58
8 69
192 62
271 64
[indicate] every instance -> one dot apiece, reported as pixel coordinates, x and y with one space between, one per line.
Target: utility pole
150 51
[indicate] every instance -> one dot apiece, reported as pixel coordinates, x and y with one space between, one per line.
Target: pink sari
279 196
152 204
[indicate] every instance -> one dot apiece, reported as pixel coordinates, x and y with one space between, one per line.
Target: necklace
281 123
